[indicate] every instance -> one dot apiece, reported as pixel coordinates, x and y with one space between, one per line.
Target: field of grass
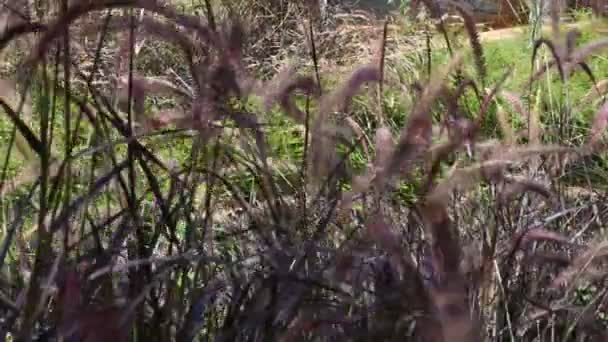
176 195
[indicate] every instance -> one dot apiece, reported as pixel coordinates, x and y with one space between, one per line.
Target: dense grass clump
211 204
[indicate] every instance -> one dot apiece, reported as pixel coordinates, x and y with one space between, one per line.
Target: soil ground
513 32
